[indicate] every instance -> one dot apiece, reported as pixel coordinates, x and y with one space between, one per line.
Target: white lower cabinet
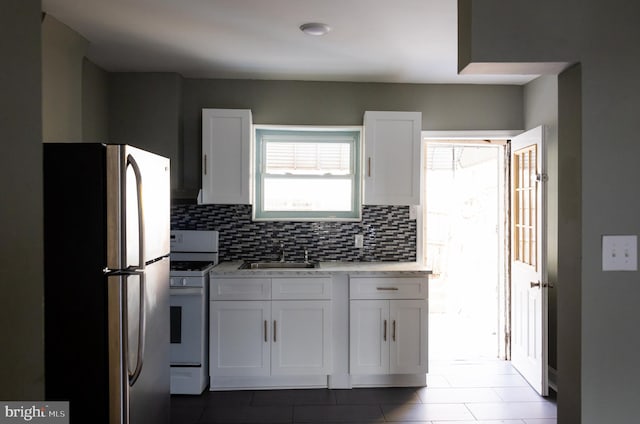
300 340
239 339
408 349
275 331
368 337
387 335
263 338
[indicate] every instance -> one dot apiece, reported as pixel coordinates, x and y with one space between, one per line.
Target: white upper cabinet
226 156
392 158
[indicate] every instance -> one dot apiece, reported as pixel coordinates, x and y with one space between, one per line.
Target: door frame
480 136
420 222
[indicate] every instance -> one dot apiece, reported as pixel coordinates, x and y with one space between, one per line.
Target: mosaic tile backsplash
389 234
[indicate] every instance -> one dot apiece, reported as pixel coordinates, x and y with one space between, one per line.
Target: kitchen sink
278 265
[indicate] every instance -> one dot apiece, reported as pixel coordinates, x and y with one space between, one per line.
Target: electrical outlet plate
359 241
620 253
413 212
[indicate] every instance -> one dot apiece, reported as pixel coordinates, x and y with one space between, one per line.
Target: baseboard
553 378
389 380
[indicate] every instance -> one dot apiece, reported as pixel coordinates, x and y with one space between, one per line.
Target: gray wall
145 111
74 90
601 334
443 107
541 108
21 261
63 52
569 287
95 105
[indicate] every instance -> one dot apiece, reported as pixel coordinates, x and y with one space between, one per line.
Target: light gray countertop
406 269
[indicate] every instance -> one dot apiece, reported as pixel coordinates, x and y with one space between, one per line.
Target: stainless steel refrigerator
106 244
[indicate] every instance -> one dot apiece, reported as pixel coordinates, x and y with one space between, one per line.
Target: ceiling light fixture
315 28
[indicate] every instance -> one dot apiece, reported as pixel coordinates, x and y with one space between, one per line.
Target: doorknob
538 284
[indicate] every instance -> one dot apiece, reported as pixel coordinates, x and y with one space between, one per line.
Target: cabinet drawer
388 288
301 288
240 289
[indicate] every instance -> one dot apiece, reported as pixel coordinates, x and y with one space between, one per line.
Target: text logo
38 412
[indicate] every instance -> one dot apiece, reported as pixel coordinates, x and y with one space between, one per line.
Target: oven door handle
186 291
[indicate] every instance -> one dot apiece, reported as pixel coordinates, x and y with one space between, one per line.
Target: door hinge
542 178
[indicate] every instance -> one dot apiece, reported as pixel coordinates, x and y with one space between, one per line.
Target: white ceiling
400 41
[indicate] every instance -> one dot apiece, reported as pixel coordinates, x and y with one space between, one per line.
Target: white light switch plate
619 253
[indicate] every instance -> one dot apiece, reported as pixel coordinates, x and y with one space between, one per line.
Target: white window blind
308 158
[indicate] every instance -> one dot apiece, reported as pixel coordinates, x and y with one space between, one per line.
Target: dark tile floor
460 393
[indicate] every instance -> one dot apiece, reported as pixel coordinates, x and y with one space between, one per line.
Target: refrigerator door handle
136 170
142 317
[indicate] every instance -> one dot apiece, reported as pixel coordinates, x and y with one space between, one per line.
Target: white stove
193 254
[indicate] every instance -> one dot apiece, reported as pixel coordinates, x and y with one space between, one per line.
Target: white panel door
529 291
408 333
240 338
369 337
301 337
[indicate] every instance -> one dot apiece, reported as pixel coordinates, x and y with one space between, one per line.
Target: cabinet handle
275 330
265 331
387 288
384 334
369 166
394 331
205 165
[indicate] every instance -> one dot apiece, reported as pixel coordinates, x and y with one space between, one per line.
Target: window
307 173
525 225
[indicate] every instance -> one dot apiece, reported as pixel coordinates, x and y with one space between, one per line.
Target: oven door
188 326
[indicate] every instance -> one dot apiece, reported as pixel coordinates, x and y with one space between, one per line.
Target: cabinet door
240 338
301 337
392 158
408 332
226 156
369 337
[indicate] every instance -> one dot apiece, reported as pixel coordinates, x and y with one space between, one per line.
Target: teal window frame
309 134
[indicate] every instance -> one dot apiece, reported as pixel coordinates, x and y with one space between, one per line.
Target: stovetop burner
189 265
